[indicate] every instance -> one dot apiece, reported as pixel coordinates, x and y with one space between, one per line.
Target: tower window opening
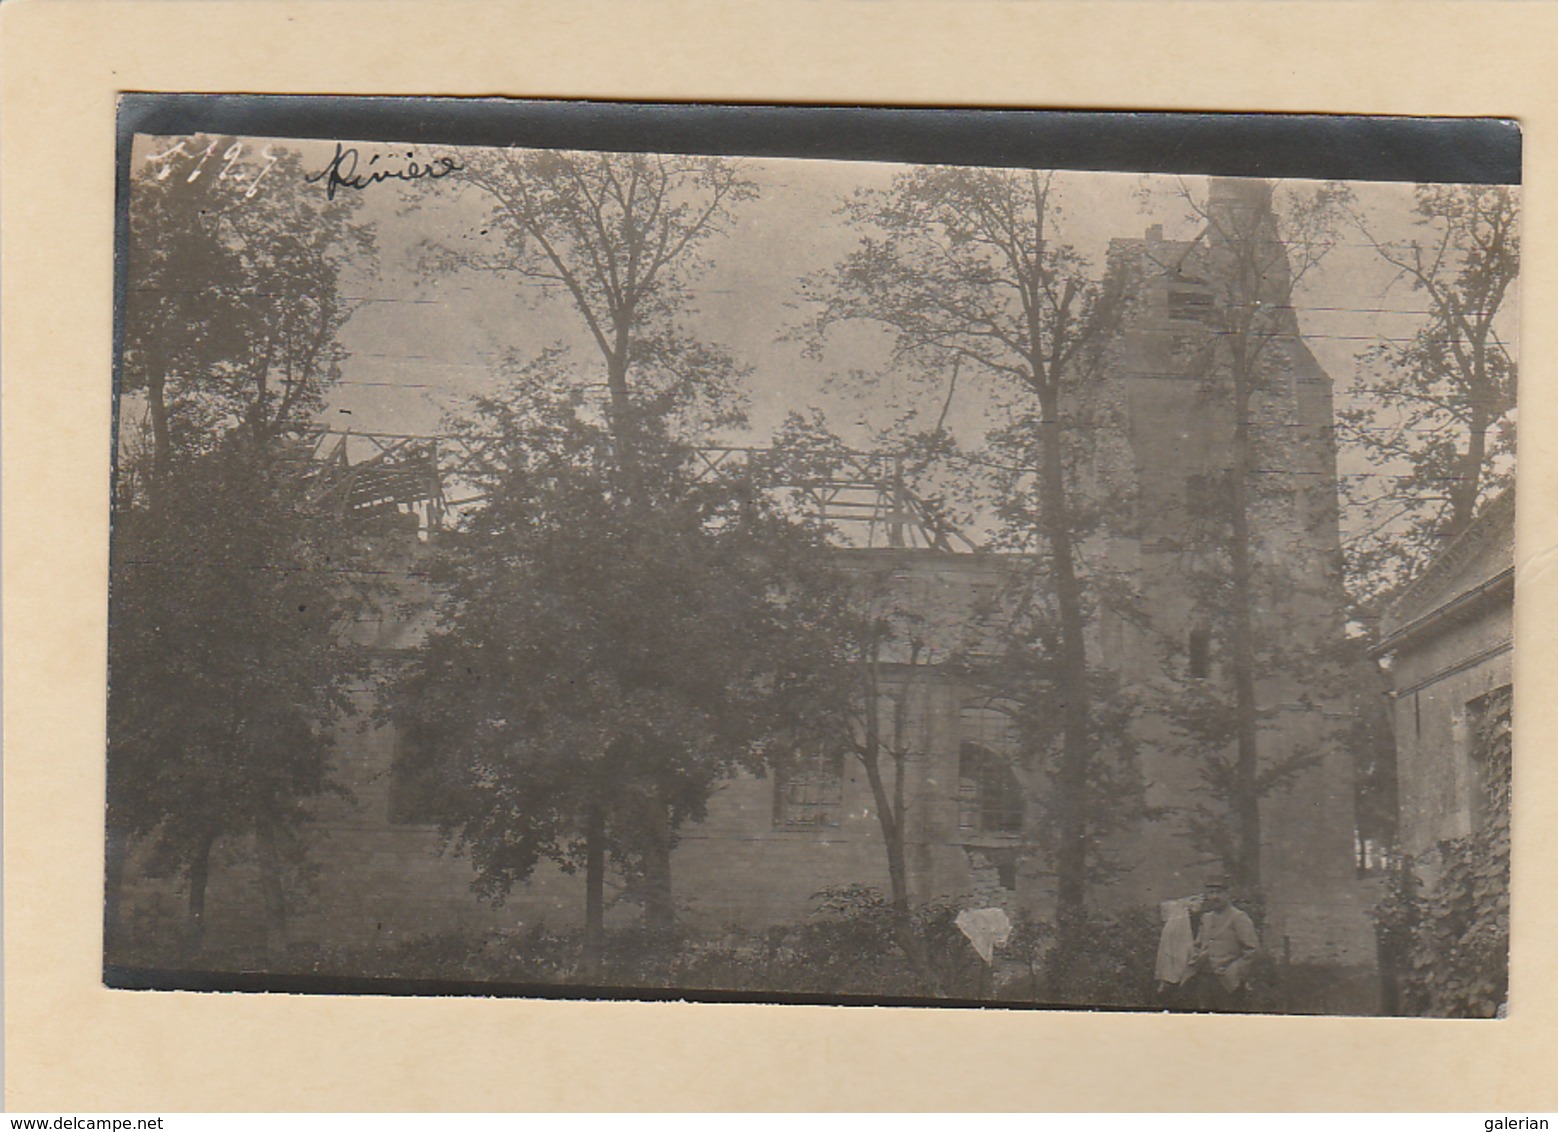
1200 654
1189 306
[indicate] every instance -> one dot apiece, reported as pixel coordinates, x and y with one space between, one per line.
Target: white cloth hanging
1177 943
986 929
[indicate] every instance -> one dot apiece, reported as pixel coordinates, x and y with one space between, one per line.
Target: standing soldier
1225 947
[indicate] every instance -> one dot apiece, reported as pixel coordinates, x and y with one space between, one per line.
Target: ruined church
768 845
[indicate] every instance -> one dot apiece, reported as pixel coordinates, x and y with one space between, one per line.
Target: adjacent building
1449 638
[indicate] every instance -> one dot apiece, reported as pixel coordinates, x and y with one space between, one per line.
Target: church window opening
989 795
809 791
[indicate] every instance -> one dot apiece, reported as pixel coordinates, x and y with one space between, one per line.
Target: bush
1445 945
846 948
1115 962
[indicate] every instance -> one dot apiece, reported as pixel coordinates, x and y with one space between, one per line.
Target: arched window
989 795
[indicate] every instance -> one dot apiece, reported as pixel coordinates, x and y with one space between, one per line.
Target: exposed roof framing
867 496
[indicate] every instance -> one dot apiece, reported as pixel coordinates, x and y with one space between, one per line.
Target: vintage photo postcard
586 573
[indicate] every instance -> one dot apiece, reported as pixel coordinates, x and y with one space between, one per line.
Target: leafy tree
618 239
227 665
229 671
1434 413
1022 675
1262 523
1450 940
962 268
871 658
233 293
885 662
605 656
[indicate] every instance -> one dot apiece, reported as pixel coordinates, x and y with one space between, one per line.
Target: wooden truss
866 496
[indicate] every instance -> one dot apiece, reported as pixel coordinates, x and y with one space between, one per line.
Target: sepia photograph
593 573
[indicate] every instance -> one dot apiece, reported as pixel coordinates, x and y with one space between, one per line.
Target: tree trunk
199 877
891 821
620 422
1463 493
273 895
594 889
1071 774
1246 866
659 902
891 811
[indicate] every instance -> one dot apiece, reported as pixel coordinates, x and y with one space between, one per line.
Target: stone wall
1175 391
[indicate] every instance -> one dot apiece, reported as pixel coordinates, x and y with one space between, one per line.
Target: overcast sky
421 343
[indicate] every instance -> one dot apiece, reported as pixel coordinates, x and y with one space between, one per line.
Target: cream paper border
73 1046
